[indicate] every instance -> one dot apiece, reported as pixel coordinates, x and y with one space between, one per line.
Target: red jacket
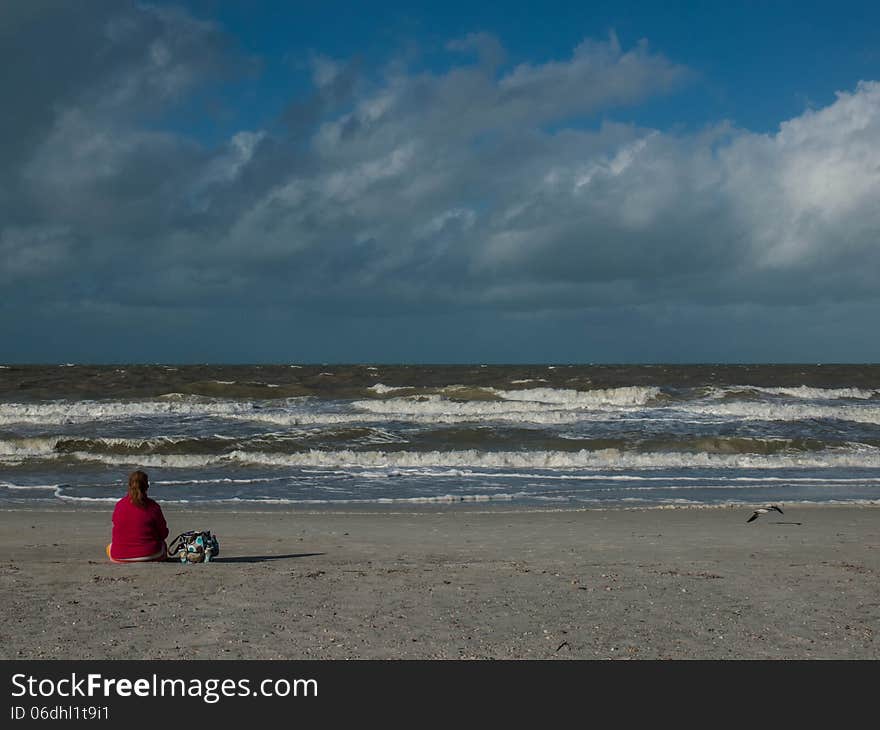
137 531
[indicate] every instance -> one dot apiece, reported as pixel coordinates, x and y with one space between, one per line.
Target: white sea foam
60 493
25 455
27 487
435 412
642 502
540 405
27 447
757 411
382 389
217 480
628 396
381 436
62 412
802 392
606 459
534 405
40 444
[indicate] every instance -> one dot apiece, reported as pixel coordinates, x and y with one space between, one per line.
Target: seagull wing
752 518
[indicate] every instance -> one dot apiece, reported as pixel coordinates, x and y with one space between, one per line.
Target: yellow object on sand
159 556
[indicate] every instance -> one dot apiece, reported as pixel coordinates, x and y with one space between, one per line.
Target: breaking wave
456 404
605 459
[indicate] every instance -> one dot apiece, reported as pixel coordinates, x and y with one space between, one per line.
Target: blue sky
757 63
213 181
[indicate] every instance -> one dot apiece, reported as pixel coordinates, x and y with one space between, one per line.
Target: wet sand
449 583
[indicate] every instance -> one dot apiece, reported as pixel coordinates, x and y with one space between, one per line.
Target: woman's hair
138 483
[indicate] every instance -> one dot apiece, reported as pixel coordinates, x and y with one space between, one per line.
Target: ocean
540 435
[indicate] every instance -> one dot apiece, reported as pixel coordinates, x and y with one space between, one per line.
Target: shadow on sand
262 558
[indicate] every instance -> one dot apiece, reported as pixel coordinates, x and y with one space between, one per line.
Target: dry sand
451 582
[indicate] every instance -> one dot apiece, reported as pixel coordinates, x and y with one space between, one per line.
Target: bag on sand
195 546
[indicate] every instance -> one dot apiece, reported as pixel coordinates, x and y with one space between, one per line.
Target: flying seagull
763 511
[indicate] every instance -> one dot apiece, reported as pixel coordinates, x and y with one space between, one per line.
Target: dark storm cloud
90 179
490 185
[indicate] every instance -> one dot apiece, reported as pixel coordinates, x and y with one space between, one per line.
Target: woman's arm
161 525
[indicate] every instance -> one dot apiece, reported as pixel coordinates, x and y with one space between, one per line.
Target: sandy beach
451 582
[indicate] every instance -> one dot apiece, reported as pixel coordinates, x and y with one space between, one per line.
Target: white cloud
812 189
228 164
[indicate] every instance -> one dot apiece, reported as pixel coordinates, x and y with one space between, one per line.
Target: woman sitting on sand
139 528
